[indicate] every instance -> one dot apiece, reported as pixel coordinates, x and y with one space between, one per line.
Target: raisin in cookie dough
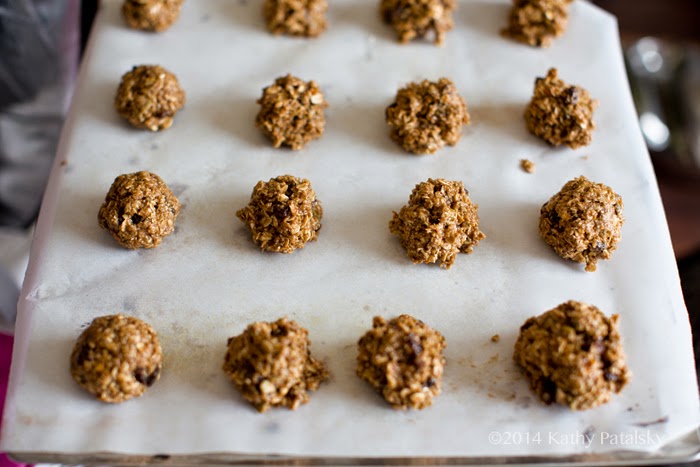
426 116
148 97
306 18
537 22
272 366
116 358
560 113
291 112
413 19
438 222
573 355
139 210
582 222
402 360
283 214
151 15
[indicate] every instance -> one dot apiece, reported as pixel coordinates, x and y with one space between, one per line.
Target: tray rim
683 450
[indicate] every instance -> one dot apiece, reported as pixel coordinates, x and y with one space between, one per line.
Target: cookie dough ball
537 22
583 221
148 97
283 214
139 210
438 222
271 365
116 358
291 112
559 113
305 18
417 18
573 355
426 116
151 15
402 359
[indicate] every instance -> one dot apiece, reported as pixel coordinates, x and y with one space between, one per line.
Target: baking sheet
208 280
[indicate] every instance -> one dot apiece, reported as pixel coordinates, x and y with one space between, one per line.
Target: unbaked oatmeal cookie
116 358
426 116
283 214
272 366
438 222
305 18
582 222
573 355
139 210
537 22
413 19
560 113
291 112
148 97
402 360
151 15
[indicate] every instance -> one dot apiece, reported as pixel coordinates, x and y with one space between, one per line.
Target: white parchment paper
208 281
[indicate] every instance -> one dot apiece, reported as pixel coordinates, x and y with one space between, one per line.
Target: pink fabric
6 342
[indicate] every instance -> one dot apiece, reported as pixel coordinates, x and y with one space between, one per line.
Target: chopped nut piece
438 222
412 19
582 222
283 214
537 22
291 112
149 97
426 116
116 358
559 113
296 17
527 165
573 355
495 338
139 210
271 365
151 15
402 359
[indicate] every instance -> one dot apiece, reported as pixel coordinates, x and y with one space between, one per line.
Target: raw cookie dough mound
291 112
283 214
402 359
148 97
271 365
573 355
537 22
139 210
151 15
296 17
438 222
582 222
417 18
426 116
116 358
559 113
